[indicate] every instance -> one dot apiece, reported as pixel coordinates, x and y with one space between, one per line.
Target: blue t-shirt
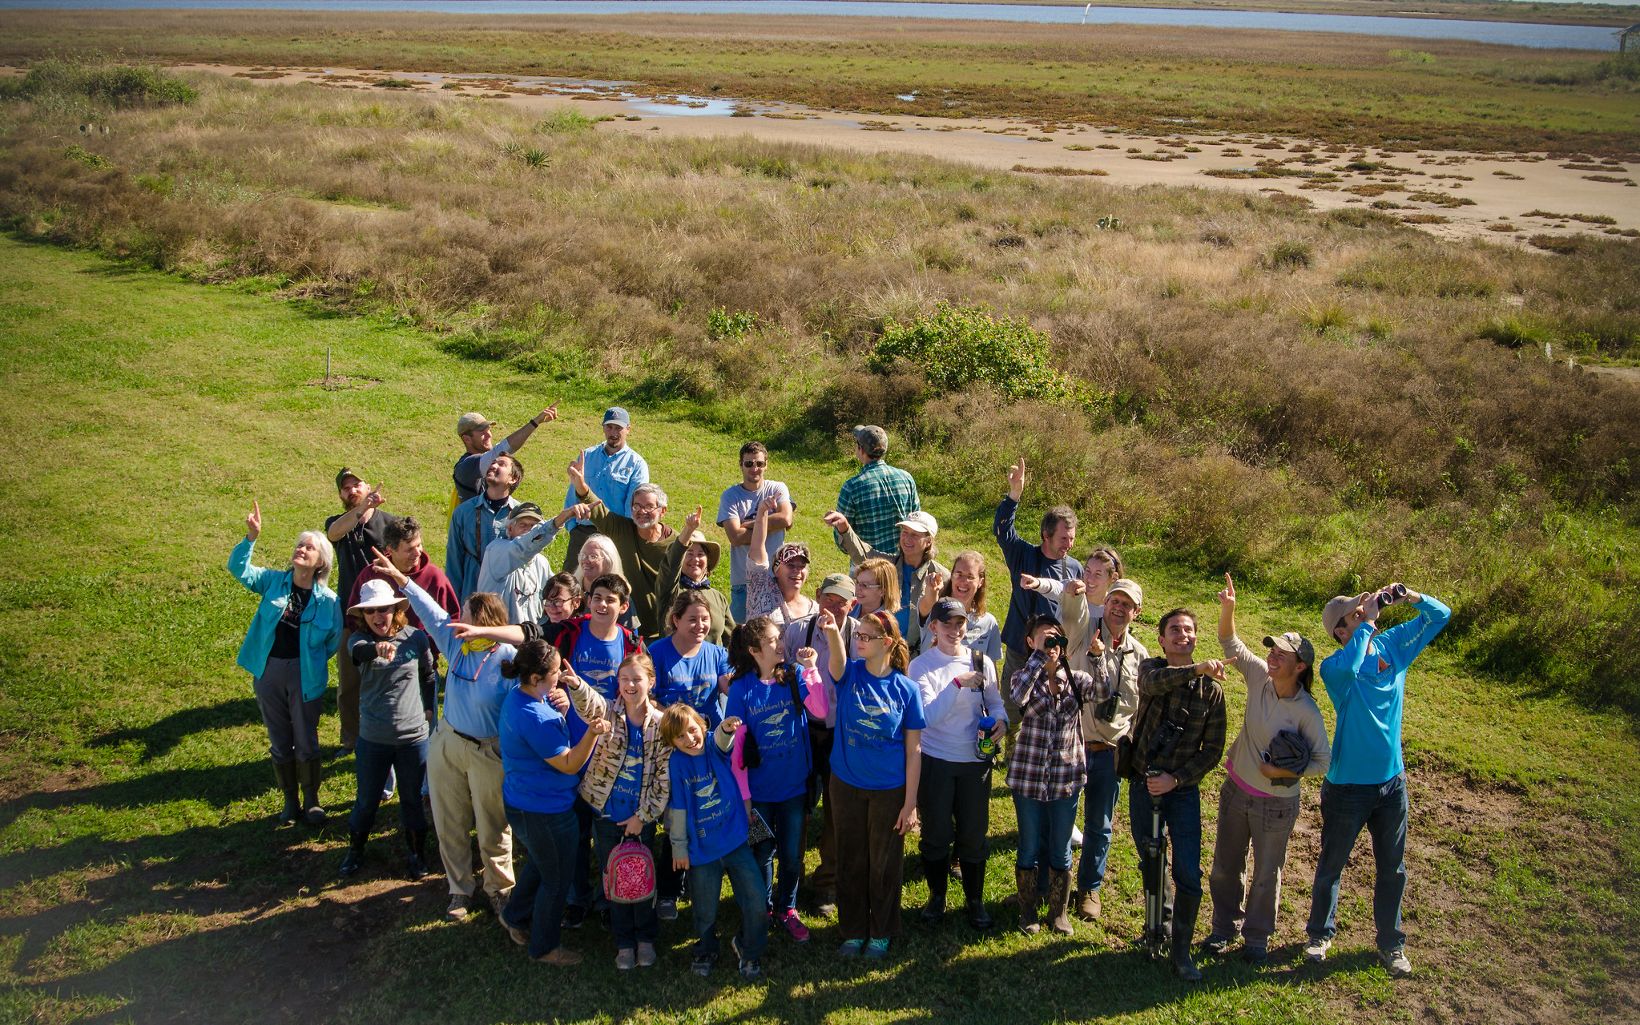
782 732
596 662
704 789
531 732
873 713
623 800
692 680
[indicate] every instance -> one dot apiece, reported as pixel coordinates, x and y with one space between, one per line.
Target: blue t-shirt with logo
692 680
531 732
782 732
873 713
596 661
623 800
704 789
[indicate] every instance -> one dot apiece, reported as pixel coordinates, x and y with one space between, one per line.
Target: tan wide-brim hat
713 550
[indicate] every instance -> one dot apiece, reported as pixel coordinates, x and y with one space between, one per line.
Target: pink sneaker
795 927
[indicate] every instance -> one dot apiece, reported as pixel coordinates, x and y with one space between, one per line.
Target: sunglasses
754 466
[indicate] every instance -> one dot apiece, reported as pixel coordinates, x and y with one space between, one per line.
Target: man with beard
641 540
361 526
613 472
480 521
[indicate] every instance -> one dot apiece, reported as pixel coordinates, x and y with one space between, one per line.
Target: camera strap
978 661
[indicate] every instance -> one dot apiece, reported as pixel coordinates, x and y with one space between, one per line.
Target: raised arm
836 651
814 688
344 523
516 439
255 578
852 544
571 761
589 704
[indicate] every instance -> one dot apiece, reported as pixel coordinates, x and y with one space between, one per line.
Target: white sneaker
1396 963
1076 837
1316 950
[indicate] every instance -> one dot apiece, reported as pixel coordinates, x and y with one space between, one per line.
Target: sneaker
1396 963
457 911
751 969
666 909
498 902
560 957
574 915
702 964
646 955
1076 837
1255 954
794 927
1316 950
877 949
851 948
826 908
517 935
626 959
1215 944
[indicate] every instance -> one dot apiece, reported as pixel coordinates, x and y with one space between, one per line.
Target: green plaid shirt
875 500
1174 700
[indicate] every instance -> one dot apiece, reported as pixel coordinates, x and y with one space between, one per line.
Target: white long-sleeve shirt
953 713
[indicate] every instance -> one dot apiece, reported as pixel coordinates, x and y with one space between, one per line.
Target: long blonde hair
887 577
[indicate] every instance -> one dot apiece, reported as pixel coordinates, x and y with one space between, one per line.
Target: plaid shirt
875 500
1047 762
1175 698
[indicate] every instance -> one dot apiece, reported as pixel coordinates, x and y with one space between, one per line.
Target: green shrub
1289 256
964 345
721 325
565 122
116 85
1513 333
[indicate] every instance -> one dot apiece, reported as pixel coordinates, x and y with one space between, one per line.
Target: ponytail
747 636
899 653
533 658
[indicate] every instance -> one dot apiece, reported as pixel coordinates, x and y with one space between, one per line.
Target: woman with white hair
287 651
597 557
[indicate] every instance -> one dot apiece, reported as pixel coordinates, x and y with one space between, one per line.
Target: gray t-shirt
394 695
740 503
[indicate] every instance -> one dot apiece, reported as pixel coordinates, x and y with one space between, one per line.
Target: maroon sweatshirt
426 576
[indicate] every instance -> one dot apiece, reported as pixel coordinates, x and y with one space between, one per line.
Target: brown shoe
1025 884
560 957
1087 904
1059 897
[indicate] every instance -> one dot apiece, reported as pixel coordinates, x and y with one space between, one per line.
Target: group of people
625 707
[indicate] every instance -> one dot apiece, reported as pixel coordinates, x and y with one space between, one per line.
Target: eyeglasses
755 466
861 635
560 602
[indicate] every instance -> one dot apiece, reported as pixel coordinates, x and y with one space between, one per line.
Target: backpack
629 875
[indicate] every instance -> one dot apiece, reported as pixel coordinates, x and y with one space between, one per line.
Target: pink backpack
629 875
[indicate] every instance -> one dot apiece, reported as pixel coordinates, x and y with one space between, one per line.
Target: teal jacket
321 628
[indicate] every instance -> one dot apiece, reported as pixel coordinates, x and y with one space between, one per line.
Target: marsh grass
1214 417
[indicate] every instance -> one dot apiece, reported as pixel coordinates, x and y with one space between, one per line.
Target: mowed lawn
141 877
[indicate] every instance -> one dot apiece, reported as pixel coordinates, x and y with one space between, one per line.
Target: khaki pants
465 781
1264 824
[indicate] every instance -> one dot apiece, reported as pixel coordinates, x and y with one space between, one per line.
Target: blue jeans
1345 809
542 879
586 887
1099 811
737 603
372 764
632 924
706 889
1045 831
1182 819
785 819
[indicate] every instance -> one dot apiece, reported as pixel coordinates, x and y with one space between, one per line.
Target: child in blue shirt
688 667
709 828
773 747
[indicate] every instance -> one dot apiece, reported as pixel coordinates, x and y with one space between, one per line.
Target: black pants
954 803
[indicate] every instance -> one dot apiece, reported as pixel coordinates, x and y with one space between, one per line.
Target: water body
1570 37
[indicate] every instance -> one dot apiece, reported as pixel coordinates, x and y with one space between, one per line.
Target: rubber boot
1059 899
1025 881
416 859
355 855
308 772
938 872
285 773
1185 906
973 892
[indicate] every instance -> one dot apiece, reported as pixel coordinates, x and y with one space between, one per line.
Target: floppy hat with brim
713 550
921 522
376 594
788 552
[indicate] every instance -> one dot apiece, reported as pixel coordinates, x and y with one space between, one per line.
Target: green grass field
141 878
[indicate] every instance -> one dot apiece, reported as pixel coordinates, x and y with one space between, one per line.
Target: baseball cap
1294 642
871 438
921 522
473 422
343 474
526 510
840 584
788 552
1130 588
617 415
947 610
1338 609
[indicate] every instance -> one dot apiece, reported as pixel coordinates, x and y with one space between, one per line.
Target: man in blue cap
613 473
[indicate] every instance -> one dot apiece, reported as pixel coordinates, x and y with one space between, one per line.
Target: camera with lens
1105 711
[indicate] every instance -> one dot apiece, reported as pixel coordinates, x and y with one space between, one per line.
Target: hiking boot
458 909
1315 951
1185 907
285 774
560 958
1396 963
646 955
309 773
973 895
355 856
626 959
794 927
1059 896
938 873
1215 944
1087 904
1025 882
